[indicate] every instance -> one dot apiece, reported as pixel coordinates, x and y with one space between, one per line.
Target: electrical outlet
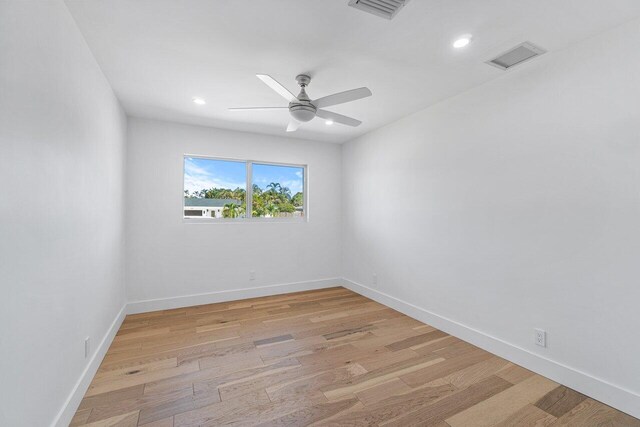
252 275
375 279
87 347
540 337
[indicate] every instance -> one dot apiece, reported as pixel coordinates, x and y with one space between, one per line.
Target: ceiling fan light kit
302 109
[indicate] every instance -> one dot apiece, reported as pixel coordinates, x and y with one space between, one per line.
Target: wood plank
212 414
125 372
514 374
139 377
593 413
81 417
177 406
559 401
373 378
528 416
499 407
448 366
390 408
470 375
310 384
417 340
346 312
125 420
378 360
167 422
235 380
434 345
273 340
233 389
139 403
441 410
311 414
348 332
382 391
112 397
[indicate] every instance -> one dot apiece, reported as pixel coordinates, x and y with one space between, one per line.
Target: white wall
62 136
168 257
516 205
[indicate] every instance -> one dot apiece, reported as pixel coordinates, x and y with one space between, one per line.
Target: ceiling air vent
383 8
517 55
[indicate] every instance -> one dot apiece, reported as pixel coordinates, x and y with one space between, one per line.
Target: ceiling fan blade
338 118
273 84
258 108
293 125
342 97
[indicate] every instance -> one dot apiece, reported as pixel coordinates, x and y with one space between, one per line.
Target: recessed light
462 41
329 122
199 101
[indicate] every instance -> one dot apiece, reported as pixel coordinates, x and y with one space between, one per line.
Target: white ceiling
159 54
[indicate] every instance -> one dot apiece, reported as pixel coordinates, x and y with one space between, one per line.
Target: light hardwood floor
326 357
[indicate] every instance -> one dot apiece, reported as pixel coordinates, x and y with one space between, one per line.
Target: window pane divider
249 193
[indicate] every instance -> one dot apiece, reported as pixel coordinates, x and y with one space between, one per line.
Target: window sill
256 220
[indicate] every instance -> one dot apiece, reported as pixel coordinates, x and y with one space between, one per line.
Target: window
222 189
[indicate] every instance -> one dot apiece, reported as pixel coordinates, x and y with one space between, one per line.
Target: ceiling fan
303 109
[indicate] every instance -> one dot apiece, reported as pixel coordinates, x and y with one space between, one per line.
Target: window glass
278 191
214 188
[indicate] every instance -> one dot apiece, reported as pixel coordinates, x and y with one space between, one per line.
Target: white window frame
249 193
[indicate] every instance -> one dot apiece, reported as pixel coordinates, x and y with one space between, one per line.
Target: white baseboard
145 306
597 388
70 407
